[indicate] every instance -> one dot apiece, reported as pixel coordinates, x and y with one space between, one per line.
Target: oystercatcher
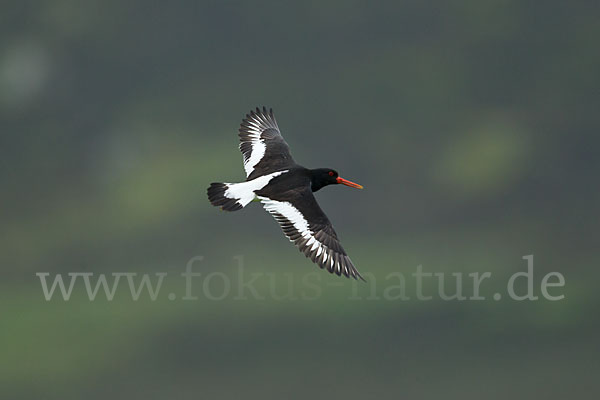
286 192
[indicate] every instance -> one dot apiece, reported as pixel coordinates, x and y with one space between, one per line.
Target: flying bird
286 191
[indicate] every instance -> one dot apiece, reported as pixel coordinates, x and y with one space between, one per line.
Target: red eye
330 173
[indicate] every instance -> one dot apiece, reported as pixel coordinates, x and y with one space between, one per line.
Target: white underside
244 192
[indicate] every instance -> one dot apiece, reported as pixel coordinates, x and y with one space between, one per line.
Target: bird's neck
315 183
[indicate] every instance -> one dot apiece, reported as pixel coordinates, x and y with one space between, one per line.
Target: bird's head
326 176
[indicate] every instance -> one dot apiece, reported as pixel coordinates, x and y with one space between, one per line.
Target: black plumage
286 191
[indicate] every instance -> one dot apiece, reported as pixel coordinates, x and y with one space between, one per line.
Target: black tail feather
216 196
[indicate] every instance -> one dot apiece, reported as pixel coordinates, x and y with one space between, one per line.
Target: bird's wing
307 226
262 145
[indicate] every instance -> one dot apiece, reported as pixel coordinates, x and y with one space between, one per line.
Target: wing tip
356 275
261 117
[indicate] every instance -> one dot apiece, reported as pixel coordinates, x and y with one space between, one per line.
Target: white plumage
244 192
258 147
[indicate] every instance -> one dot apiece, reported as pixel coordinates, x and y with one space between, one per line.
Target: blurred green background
473 126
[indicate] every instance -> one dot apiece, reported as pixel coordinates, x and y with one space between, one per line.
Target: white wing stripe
300 223
315 246
290 212
284 212
254 129
258 151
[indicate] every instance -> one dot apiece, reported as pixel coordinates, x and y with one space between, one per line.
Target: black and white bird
286 192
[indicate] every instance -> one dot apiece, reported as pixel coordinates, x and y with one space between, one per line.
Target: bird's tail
230 196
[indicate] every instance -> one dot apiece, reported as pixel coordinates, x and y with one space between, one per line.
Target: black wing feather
258 129
320 228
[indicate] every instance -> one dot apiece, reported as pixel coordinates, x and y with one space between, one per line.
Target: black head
321 177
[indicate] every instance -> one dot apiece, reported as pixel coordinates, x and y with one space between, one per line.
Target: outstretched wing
307 226
262 145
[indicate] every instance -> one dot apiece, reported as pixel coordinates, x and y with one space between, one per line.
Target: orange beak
348 183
